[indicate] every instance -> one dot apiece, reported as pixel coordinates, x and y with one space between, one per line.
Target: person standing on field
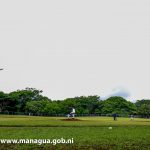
131 117
115 116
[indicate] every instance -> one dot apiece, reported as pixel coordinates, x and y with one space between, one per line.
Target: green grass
26 121
90 133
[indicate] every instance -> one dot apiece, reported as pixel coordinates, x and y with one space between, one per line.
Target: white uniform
72 112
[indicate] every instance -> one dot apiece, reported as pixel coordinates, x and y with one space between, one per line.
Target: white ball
110 128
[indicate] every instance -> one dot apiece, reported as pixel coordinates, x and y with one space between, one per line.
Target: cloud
119 91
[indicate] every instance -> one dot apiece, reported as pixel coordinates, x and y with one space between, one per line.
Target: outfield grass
25 121
90 133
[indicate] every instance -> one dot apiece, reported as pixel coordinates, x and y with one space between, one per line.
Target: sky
73 48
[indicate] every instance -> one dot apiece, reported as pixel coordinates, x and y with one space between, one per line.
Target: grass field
88 133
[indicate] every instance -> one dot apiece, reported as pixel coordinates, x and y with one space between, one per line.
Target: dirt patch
71 119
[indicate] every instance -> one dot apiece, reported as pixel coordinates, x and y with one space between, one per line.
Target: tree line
31 100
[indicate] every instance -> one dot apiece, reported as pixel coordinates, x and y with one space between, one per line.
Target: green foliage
31 100
36 106
118 105
4 101
143 108
21 97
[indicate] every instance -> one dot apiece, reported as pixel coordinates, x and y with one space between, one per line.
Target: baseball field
93 133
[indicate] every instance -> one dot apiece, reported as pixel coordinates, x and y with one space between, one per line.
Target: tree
36 107
143 108
118 105
23 96
83 104
4 101
43 107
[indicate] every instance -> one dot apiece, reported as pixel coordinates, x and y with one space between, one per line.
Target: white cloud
119 91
